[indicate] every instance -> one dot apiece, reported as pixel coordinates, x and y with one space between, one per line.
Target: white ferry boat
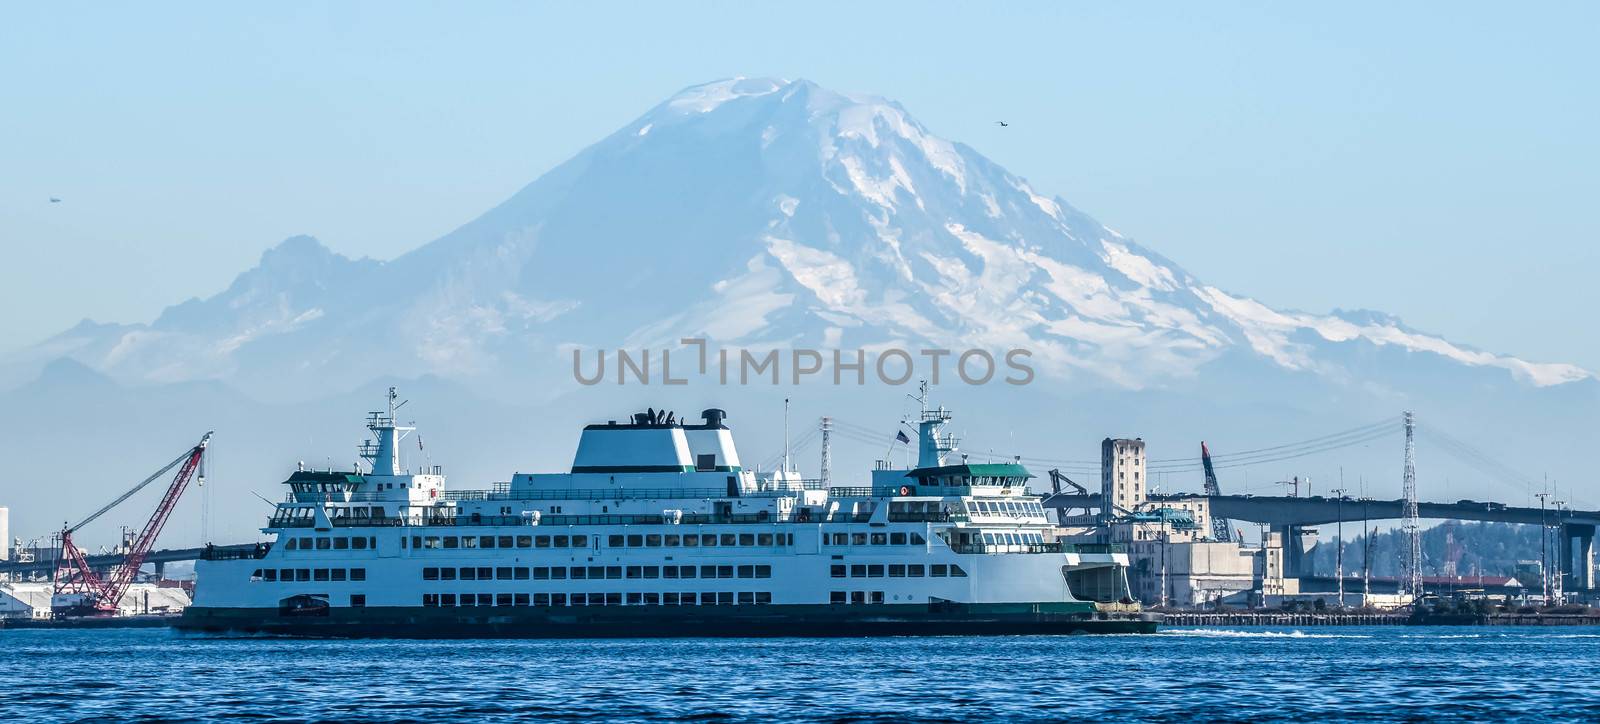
659 530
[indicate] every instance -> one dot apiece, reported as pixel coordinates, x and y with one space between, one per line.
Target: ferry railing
235 553
565 520
1095 548
997 548
366 522
623 493
927 517
1012 492
787 486
892 491
343 521
501 492
401 497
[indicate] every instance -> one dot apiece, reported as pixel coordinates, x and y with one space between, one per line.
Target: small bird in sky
1003 124
54 200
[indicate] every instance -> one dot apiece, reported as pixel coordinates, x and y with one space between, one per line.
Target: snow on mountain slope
1269 332
755 212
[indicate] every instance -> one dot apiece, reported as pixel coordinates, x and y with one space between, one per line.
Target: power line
1478 465
1064 462
857 426
1467 453
1351 437
862 430
1284 452
859 437
1090 470
1295 456
1384 425
1287 453
1479 461
796 445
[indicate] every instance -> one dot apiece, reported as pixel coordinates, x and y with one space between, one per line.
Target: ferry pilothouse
659 530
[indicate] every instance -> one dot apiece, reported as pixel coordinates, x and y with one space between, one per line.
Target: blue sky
1436 161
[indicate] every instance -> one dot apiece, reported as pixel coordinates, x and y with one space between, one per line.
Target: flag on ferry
900 436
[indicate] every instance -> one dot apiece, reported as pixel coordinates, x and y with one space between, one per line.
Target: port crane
1057 479
1221 528
79 590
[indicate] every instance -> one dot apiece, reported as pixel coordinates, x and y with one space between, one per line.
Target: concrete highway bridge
1289 515
44 564
1286 515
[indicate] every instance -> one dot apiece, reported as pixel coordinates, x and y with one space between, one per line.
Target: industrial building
1180 554
1184 551
1122 472
1173 557
31 599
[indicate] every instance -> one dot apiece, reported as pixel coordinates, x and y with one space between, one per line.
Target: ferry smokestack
713 417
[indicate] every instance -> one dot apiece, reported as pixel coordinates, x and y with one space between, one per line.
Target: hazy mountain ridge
753 212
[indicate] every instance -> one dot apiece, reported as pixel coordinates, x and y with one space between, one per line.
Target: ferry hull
674 622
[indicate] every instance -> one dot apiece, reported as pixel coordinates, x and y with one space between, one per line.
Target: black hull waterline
663 622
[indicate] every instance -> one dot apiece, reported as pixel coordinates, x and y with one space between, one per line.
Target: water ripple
1212 674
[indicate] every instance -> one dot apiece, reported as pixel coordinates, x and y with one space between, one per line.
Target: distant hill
1490 549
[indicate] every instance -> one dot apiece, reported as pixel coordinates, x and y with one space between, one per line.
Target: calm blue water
1315 674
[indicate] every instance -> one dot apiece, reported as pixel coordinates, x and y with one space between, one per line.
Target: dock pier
1281 618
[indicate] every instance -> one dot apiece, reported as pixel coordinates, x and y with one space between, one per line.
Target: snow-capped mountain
751 212
769 213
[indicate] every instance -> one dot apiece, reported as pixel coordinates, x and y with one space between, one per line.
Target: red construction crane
79 589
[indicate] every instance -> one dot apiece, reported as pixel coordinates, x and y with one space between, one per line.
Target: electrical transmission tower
827 452
1410 524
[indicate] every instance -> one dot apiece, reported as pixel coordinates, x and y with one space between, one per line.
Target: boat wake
1237 634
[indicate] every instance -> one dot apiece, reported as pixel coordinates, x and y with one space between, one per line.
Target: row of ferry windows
498 541
855 597
877 539
295 575
897 570
1013 508
703 540
640 540
1002 539
592 573
340 543
651 598
648 540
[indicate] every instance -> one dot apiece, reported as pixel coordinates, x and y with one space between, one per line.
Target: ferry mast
383 452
